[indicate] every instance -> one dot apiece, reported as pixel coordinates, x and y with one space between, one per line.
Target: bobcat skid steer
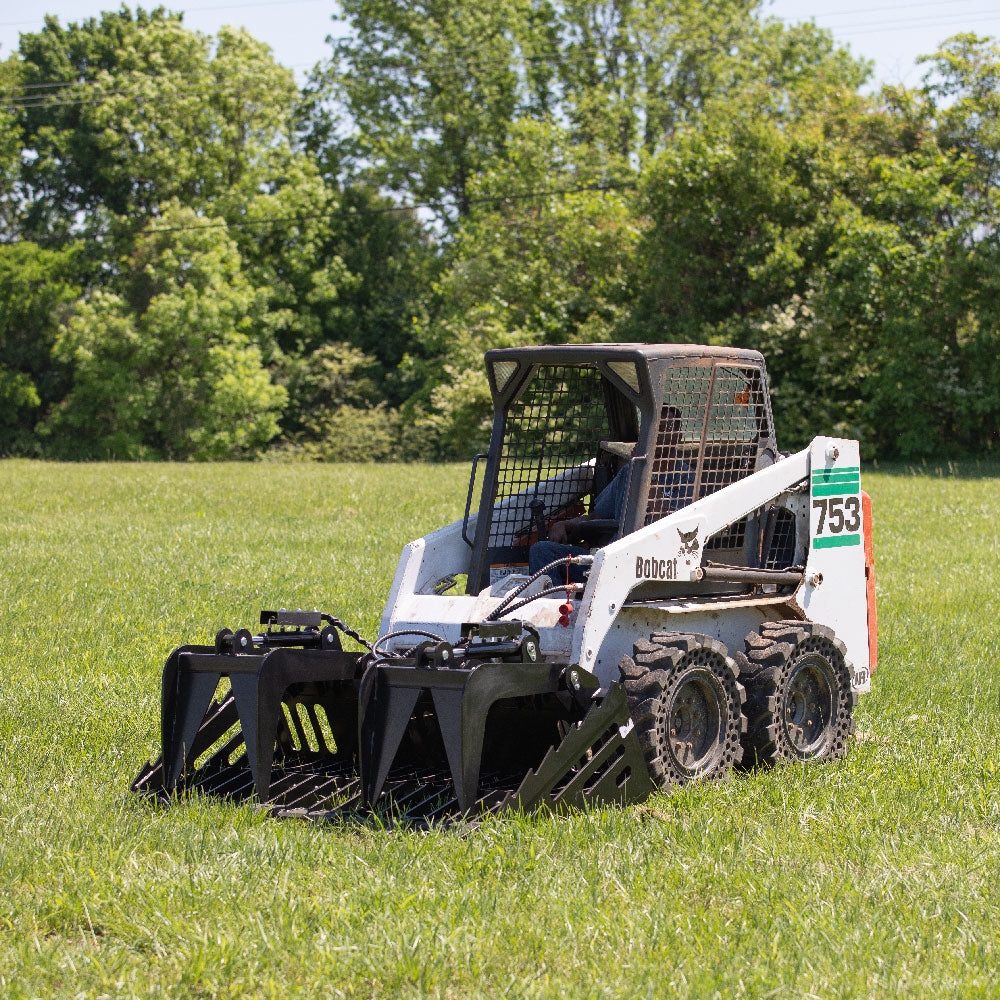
723 615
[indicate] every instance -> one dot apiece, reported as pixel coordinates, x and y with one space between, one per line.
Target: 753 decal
838 514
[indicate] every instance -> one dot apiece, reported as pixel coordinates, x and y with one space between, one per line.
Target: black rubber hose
405 631
534 597
504 606
347 630
520 588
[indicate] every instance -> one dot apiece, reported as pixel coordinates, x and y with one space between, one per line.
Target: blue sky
892 33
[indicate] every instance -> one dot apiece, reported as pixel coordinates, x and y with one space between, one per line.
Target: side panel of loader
834 590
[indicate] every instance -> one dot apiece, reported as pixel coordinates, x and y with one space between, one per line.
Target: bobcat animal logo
689 541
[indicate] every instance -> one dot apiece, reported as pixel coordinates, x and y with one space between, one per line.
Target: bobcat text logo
655 569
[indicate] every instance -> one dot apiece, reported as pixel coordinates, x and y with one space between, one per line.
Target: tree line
200 259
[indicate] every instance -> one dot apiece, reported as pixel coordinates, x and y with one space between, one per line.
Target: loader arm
671 548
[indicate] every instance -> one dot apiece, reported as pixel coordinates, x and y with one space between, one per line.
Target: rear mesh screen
709 432
737 419
553 427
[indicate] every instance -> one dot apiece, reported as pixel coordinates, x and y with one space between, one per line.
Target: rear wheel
799 696
686 702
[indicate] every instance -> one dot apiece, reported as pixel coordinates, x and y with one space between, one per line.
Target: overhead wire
572 48
275 221
895 8
51 93
576 46
190 10
884 26
42 92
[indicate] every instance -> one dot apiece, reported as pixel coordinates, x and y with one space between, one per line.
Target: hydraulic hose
535 597
347 630
404 631
504 606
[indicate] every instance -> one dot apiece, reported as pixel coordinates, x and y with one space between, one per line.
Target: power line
54 96
190 10
895 8
405 61
925 20
279 220
878 27
17 98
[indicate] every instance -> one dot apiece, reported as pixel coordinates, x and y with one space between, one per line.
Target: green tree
130 112
850 244
169 368
431 89
10 148
36 288
528 270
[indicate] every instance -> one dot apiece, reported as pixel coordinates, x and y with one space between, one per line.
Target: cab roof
582 353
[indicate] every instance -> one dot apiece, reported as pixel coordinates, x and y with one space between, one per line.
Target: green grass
876 877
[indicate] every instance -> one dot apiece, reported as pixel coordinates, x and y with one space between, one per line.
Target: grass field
878 877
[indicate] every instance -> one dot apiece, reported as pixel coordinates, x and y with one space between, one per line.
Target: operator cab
681 421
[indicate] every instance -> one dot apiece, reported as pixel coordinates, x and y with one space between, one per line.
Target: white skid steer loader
653 594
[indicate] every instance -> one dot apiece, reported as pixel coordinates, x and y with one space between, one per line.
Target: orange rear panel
866 507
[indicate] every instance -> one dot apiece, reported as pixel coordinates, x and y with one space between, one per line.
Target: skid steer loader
724 616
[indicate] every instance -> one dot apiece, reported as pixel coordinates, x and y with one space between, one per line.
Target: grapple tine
383 722
193 697
464 754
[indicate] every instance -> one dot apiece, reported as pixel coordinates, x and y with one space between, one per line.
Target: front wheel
686 702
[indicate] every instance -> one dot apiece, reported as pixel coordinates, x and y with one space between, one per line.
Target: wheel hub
808 705
692 722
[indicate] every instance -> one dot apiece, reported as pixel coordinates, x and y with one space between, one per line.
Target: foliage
431 88
352 434
36 289
334 395
159 113
633 169
168 368
852 250
533 269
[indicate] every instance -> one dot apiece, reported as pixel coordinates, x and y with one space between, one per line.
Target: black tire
687 705
799 696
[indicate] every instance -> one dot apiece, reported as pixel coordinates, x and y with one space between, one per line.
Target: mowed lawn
877 877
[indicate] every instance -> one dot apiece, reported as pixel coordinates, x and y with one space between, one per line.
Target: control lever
538 519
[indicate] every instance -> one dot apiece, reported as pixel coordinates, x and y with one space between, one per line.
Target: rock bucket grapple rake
318 732
725 614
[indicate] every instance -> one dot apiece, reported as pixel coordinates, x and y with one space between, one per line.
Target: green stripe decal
840 477
837 489
856 469
836 541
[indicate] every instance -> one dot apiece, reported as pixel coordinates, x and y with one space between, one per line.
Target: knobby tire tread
651 674
765 666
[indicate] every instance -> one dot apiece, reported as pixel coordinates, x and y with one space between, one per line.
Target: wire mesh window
711 423
778 549
738 417
732 537
552 431
674 467
774 538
